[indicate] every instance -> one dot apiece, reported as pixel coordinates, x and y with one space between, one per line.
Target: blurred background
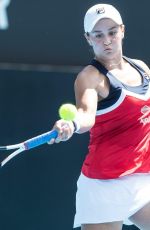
42 48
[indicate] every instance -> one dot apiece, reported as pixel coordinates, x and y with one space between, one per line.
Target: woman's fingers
65 130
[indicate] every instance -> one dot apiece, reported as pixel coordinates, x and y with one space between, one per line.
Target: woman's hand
65 131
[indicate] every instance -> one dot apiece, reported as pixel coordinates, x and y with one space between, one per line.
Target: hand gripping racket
28 144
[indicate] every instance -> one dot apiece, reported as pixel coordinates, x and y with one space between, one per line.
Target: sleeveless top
120 138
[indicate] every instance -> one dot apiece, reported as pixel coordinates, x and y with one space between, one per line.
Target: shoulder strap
99 66
113 81
135 65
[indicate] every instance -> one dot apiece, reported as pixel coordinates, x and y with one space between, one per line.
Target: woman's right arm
86 99
85 88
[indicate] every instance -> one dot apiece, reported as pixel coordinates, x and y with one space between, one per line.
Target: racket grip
41 139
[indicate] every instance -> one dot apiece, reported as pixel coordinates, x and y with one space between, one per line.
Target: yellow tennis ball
67 112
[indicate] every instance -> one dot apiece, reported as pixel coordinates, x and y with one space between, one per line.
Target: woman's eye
98 36
112 33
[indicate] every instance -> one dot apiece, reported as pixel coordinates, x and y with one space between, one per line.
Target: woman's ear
86 35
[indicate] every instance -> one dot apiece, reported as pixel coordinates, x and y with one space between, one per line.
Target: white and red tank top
120 139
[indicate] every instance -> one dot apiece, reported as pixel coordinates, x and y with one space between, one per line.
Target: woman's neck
115 63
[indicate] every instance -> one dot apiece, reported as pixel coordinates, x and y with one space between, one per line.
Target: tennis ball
67 112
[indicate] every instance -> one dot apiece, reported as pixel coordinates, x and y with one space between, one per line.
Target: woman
113 102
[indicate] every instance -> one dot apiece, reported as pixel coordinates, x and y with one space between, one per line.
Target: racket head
28 144
3 148
12 155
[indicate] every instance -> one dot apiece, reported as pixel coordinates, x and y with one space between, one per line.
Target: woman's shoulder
143 65
89 73
89 78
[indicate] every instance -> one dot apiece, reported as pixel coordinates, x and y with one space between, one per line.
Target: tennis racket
28 144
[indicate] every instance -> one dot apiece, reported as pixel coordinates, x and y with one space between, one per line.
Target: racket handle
41 139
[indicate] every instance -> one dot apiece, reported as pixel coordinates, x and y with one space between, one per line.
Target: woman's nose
107 41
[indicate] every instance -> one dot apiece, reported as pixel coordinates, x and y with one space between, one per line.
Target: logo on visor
100 10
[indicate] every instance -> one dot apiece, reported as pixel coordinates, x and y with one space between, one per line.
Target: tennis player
113 101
